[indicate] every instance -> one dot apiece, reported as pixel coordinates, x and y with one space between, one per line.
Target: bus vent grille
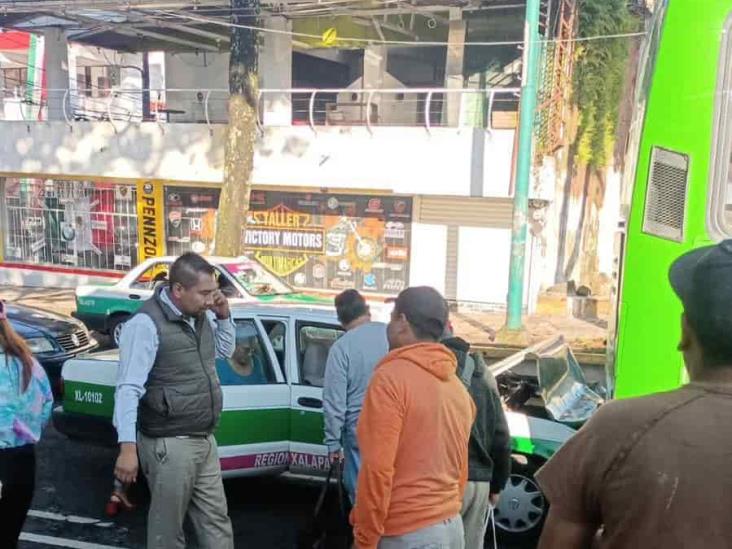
665 211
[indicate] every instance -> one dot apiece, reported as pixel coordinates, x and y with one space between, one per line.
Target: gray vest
182 394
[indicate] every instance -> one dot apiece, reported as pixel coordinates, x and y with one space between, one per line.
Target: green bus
679 191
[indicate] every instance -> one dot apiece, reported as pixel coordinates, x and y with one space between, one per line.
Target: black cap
702 279
425 309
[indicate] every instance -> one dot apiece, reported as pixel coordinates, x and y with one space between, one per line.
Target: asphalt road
74 480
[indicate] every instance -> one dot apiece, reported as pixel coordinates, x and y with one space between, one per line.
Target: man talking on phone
168 403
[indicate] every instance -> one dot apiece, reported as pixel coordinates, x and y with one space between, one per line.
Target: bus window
720 197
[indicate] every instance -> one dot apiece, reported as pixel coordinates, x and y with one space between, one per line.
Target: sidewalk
584 337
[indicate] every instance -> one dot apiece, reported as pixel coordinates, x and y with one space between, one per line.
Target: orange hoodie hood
435 358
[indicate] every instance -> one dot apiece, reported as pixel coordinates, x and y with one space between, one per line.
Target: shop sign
281 229
395 230
394 285
150 220
332 241
281 265
397 252
38 245
122 261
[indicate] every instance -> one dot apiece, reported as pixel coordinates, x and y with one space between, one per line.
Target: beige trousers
476 502
184 476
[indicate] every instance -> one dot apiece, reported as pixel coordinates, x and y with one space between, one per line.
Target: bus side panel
680 118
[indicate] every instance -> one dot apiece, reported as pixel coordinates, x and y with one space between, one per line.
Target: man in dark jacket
489 449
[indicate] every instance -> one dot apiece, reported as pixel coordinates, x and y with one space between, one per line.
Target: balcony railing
428 107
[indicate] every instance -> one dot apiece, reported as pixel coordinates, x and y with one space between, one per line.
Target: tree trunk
589 270
559 276
576 245
241 133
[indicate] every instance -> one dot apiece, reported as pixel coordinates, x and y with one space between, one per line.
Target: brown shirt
655 471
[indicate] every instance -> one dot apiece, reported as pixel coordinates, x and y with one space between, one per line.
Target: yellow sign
281 216
150 220
281 265
330 36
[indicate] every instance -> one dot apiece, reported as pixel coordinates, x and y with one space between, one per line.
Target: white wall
551 185
609 218
12 276
484 256
483 260
125 150
402 160
429 256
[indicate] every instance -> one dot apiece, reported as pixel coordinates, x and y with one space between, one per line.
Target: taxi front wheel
522 509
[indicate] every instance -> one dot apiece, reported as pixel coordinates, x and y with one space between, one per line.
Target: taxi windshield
257 280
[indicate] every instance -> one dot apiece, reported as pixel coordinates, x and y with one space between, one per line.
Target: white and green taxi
105 308
272 420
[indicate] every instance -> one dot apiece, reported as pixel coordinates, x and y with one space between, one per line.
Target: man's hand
336 456
494 498
220 305
126 468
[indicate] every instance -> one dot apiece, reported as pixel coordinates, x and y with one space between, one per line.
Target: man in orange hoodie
413 433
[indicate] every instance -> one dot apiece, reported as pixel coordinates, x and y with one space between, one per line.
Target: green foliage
599 74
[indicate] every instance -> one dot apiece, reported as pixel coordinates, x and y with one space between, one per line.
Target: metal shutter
464 211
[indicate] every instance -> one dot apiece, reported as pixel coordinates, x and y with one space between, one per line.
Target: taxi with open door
272 421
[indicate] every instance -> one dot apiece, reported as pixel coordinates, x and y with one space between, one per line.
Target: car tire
522 508
115 327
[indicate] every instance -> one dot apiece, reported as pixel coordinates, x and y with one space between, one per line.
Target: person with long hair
25 406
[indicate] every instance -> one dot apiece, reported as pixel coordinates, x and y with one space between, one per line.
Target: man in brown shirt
656 471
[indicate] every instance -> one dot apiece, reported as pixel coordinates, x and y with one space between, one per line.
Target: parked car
105 308
272 420
53 338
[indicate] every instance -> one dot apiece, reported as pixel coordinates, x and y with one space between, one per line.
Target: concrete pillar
374 77
454 67
275 72
57 71
374 67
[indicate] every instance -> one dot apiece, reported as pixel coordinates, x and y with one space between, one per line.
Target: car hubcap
521 505
118 332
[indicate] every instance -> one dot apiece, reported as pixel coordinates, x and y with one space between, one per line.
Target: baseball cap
424 308
702 279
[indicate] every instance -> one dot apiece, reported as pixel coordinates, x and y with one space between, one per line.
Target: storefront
318 241
190 219
76 224
327 241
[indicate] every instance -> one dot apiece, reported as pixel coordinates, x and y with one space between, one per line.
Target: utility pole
529 84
